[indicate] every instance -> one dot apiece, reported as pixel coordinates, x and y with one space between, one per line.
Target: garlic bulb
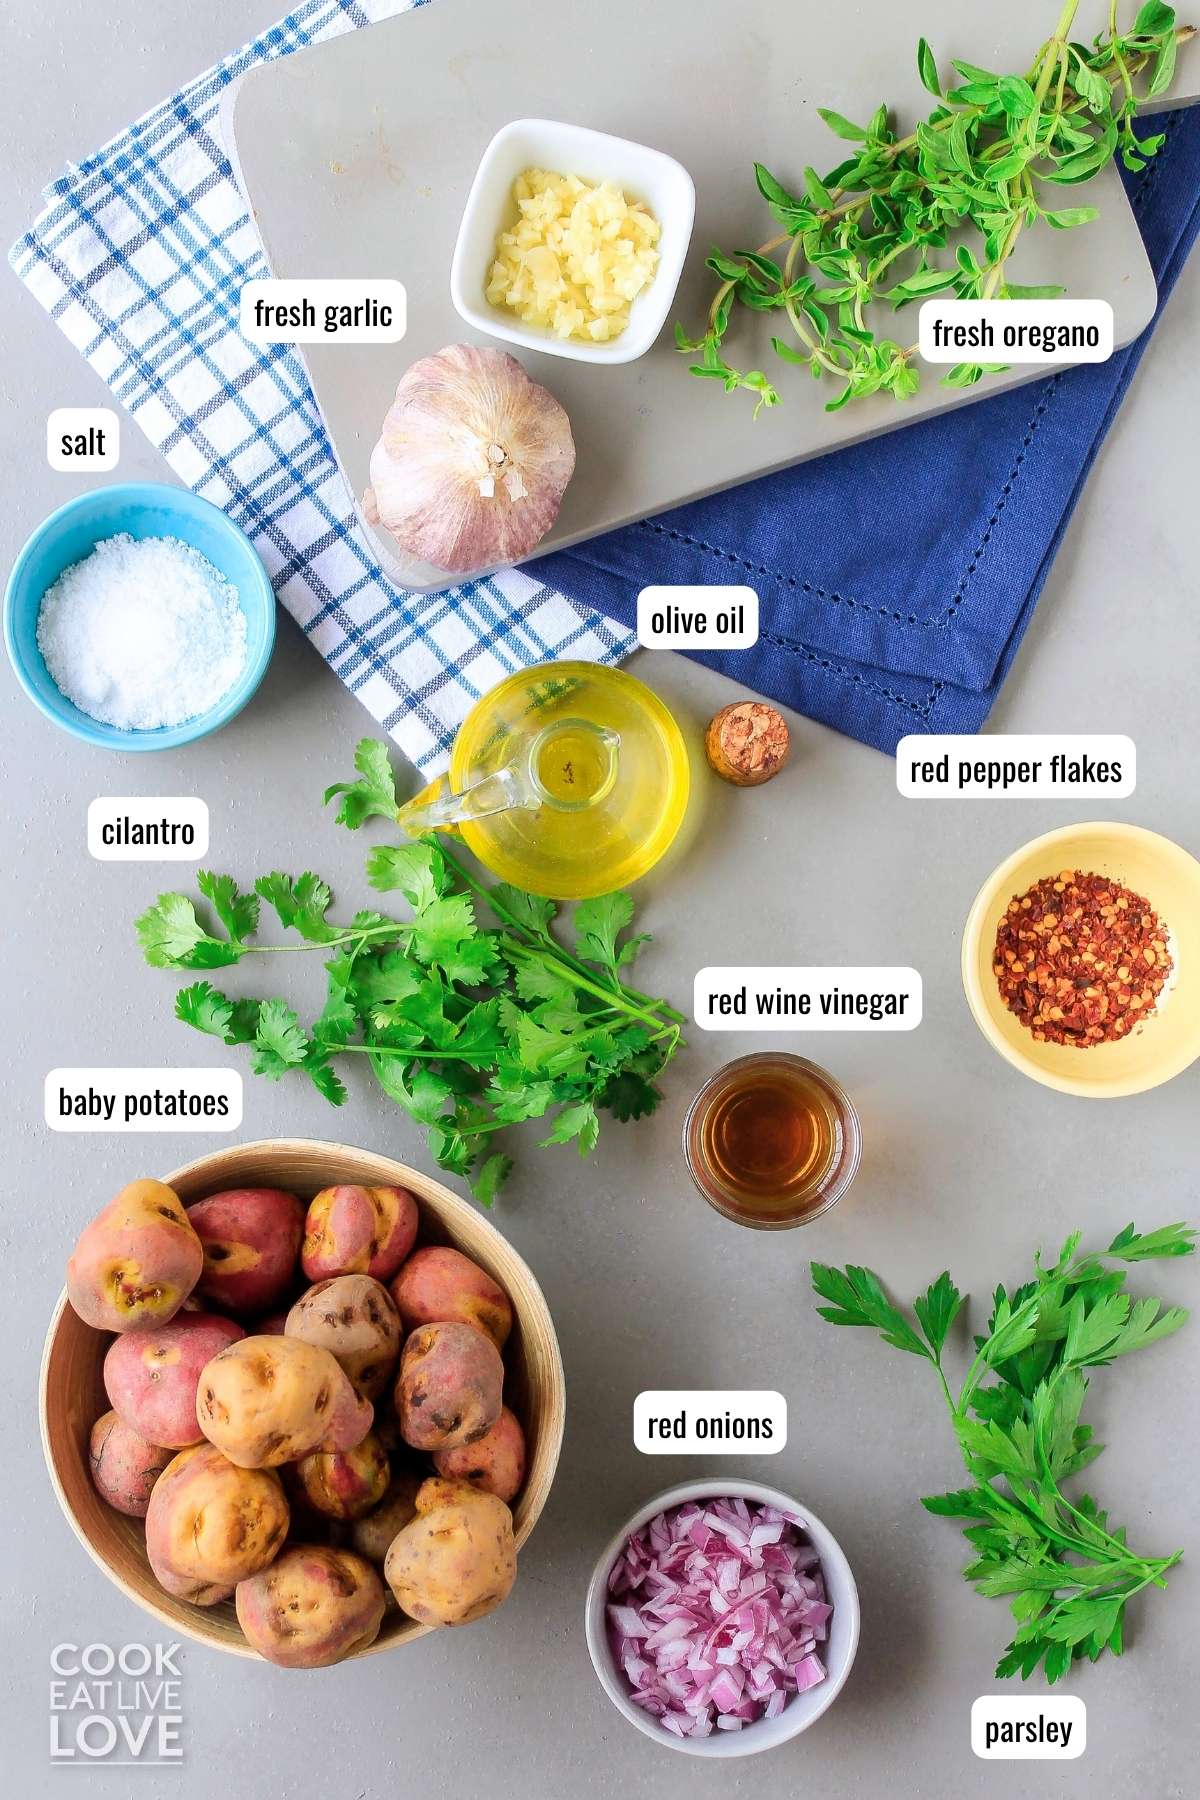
472 462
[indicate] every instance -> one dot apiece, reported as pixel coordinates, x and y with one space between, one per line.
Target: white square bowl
662 185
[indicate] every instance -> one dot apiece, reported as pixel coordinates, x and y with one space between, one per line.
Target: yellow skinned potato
314 1606
210 1524
136 1262
355 1319
457 1560
271 1400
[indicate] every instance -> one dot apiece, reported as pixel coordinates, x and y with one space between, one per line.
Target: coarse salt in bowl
779 1722
138 510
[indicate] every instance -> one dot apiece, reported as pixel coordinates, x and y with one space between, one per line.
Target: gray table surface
966 1163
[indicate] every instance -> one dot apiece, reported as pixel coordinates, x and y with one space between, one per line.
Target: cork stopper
747 743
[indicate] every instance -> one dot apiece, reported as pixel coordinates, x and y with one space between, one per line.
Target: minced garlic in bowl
576 258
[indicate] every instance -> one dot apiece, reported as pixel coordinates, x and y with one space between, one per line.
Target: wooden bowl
72 1393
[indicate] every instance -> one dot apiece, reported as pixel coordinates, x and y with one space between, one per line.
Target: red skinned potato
251 1239
210 1524
271 1400
358 1231
151 1376
438 1283
354 1318
456 1560
314 1606
450 1386
344 1484
494 1463
137 1262
372 1534
124 1466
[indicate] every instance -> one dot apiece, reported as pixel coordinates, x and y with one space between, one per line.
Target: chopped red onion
715 1615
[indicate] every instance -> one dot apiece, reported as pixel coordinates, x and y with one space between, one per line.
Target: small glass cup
825 1126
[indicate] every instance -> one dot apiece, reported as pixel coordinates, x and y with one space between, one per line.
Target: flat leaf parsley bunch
1069 1575
470 1027
868 230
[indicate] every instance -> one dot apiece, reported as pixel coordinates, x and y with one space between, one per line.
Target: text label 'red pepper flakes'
1080 959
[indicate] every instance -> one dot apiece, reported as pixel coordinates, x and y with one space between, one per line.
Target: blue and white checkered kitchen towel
140 256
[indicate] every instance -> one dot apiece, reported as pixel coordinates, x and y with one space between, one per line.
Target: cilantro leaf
237 912
279 1042
244 1023
172 937
301 904
421 1091
577 1121
629 1095
373 794
599 922
491 1175
417 870
202 1007
339 1016
531 912
324 1076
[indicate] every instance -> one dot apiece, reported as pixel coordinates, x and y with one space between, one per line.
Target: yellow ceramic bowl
1170 1039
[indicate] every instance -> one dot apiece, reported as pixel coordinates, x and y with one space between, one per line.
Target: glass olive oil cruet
568 779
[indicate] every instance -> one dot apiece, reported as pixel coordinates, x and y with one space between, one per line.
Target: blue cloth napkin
896 578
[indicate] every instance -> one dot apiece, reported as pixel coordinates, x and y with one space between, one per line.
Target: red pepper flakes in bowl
1080 959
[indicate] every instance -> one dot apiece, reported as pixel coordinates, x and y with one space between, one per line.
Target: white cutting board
357 155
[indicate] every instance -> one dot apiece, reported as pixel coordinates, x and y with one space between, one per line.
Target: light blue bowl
143 509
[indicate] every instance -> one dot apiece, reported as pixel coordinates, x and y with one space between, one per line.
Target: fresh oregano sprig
977 171
469 1023
1068 1575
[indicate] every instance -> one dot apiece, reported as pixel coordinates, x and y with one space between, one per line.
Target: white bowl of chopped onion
592 260
723 1618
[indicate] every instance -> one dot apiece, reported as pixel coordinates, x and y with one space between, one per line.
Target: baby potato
439 1283
355 1319
494 1463
372 1534
314 1606
151 1376
358 1231
450 1386
271 1400
137 1262
456 1560
344 1484
209 1524
124 1467
251 1239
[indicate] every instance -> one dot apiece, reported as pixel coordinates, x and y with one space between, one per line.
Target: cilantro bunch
1068 1573
869 230
471 1014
